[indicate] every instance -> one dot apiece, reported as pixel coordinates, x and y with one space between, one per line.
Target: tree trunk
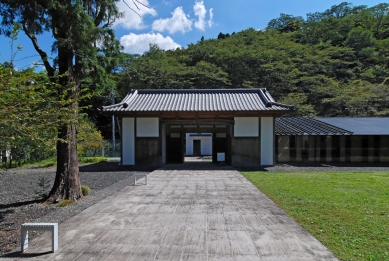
67 184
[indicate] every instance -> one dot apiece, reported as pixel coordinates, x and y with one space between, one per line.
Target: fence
110 150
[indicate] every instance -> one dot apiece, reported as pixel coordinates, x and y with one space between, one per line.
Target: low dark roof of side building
306 126
360 126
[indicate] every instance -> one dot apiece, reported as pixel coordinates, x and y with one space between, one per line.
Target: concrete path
212 213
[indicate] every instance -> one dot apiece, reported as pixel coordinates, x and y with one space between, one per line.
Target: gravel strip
331 166
18 203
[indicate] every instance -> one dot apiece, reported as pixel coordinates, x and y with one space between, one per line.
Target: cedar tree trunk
67 183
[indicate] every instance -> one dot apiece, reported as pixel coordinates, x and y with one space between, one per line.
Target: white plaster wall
163 143
267 141
147 127
206 144
246 127
188 145
128 141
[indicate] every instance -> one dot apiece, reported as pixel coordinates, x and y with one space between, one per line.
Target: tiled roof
361 126
306 126
192 100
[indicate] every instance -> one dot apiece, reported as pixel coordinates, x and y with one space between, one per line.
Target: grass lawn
347 211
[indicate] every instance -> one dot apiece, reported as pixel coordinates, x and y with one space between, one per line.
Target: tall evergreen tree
82 35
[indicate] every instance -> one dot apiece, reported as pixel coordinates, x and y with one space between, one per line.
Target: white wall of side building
128 141
206 144
267 141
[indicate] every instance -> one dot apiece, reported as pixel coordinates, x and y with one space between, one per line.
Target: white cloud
132 20
139 43
167 2
200 12
210 21
177 23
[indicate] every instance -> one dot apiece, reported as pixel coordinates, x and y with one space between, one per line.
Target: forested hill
333 63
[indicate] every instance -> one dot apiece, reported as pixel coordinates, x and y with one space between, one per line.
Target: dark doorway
196 147
174 148
221 144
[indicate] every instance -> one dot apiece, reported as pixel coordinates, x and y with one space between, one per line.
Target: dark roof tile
198 100
306 126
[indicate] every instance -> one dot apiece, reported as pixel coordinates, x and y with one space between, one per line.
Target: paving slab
186 212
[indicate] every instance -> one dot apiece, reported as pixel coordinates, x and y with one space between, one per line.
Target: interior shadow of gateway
235 126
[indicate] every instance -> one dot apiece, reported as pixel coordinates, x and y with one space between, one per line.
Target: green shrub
64 203
46 163
43 184
85 190
93 160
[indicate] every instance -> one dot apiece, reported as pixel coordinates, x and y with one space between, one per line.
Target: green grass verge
93 159
347 211
46 163
64 203
50 162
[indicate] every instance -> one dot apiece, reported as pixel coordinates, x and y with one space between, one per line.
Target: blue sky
174 23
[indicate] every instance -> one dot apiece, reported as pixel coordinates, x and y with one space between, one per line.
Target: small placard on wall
175 135
147 127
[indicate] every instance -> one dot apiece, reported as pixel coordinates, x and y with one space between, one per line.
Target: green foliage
64 203
93 160
85 190
299 100
286 23
358 98
43 185
29 116
49 162
346 211
318 64
89 139
359 38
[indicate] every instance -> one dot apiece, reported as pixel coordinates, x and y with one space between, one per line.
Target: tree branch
100 16
131 8
141 4
42 54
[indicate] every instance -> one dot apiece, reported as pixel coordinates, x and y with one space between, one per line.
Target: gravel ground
18 203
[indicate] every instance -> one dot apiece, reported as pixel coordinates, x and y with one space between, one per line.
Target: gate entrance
197 143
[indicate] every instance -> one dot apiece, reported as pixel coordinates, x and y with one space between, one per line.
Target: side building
332 139
155 124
